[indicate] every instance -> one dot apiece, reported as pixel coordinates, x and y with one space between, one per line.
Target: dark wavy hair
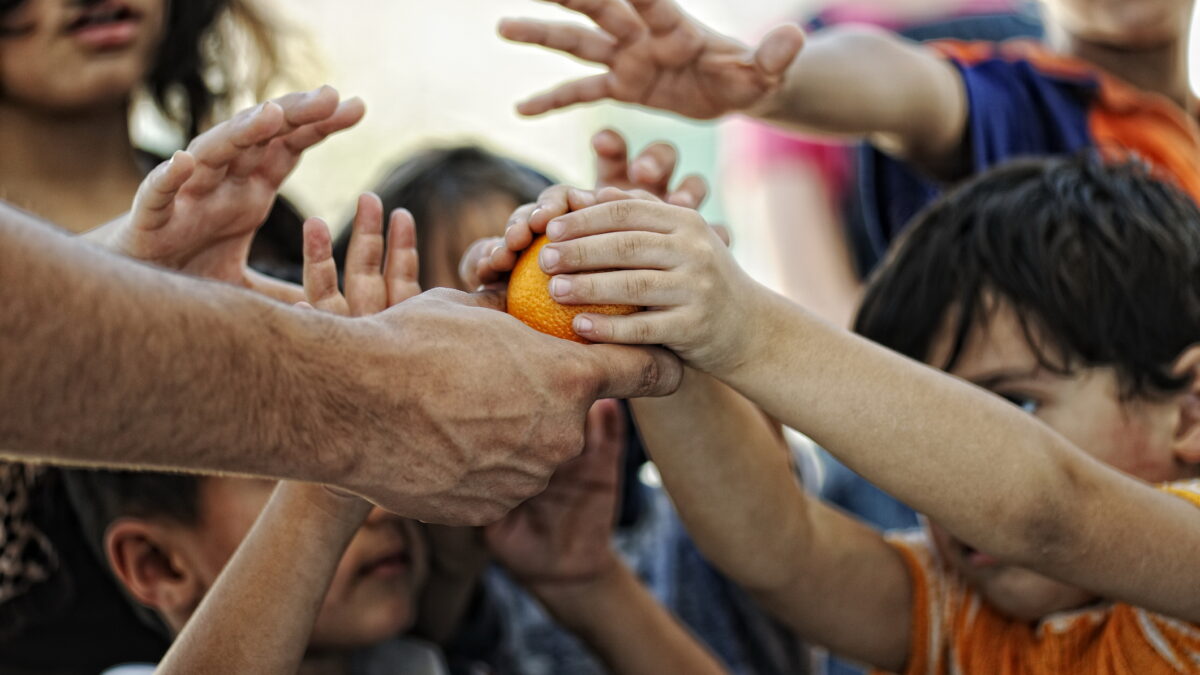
194 74
1101 263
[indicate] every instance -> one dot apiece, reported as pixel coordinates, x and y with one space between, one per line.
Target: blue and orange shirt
1026 100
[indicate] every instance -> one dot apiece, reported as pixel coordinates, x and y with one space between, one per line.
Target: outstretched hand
657 56
650 173
198 212
378 274
563 534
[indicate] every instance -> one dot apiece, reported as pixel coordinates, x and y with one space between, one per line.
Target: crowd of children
1022 370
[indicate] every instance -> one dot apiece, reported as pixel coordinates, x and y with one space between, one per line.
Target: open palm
657 56
199 212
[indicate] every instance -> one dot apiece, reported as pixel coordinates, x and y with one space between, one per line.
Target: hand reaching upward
657 56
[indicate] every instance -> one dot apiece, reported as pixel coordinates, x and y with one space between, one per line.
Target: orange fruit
529 298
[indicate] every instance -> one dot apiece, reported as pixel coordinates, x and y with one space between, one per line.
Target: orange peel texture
529 298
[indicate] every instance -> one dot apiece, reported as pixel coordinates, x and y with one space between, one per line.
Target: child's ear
1186 444
151 566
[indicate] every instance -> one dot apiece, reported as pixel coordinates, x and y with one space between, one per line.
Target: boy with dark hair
1063 528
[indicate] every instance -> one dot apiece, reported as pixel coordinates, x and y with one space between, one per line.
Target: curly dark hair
194 73
1100 261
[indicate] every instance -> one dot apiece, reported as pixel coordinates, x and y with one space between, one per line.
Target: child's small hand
378 275
651 171
563 535
488 261
198 212
658 56
662 257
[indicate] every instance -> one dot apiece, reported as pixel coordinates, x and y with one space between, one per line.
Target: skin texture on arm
988 473
831 579
109 362
856 82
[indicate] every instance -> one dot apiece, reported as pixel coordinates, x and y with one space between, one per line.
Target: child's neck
1162 69
77 171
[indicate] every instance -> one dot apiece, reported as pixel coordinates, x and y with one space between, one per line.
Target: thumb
778 49
633 372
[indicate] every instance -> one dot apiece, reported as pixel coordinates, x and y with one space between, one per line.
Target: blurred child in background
460 194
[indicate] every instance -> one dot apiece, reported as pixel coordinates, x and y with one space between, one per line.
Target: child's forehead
997 341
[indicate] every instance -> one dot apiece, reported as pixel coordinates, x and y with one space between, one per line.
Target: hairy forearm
625 626
110 362
862 82
708 440
259 614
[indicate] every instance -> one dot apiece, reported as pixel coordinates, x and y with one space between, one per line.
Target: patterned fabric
955 631
26 556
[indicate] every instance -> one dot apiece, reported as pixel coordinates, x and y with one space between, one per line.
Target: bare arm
104 361
993 476
856 81
258 616
830 578
864 82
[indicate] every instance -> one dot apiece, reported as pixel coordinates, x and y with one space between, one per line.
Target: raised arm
830 578
258 616
993 476
856 82
104 361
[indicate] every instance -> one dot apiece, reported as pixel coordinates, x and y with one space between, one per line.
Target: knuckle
627 247
641 332
637 285
622 211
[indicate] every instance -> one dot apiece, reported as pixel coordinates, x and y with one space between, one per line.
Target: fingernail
535 213
560 287
651 167
555 229
583 324
550 257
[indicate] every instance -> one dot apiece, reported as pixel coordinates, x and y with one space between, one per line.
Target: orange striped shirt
955 631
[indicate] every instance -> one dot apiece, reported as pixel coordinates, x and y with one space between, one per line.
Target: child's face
374 591
483 217
1130 24
1133 436
71 55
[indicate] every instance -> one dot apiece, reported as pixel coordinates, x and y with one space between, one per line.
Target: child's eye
1025 403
